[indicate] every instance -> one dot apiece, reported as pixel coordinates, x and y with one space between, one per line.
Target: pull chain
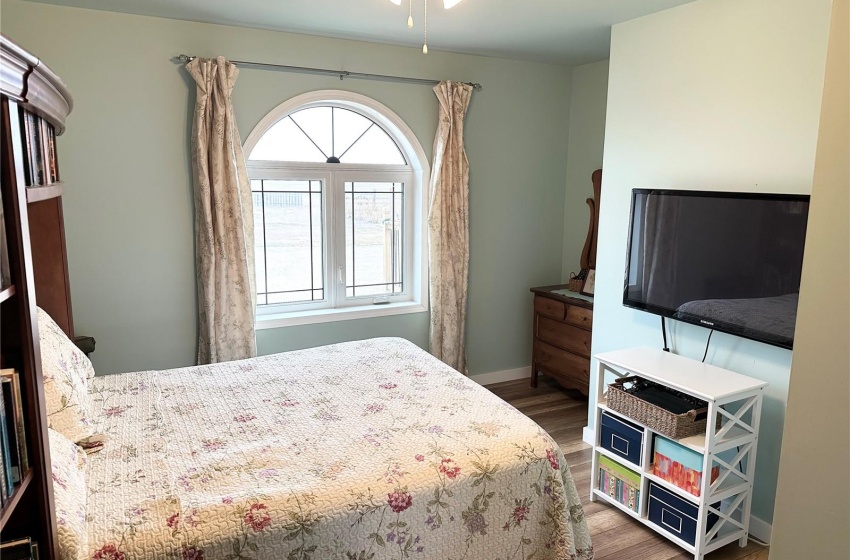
425 44
410 15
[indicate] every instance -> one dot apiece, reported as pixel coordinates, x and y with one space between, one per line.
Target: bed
361 450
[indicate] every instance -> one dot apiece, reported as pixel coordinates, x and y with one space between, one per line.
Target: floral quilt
355 451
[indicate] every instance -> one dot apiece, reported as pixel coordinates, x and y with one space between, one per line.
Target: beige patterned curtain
224 221
448 228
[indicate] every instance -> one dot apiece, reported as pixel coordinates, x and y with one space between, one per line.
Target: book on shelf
19 549
11 422
8 475
35 149
5 271
3 494
48 150
54 156
11 380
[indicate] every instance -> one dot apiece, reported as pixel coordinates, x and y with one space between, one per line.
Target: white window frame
415 176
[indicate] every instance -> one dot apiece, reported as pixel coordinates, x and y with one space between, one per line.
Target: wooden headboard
50 261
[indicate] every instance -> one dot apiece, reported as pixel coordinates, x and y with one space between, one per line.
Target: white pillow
66 371
68 462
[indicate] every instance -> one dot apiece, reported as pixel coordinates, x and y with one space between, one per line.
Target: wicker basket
663 421
576 282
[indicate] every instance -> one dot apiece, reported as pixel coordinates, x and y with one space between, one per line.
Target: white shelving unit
736 399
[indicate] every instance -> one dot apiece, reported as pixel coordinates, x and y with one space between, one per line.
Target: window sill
294 318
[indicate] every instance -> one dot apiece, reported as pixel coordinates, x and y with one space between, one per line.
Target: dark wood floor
615 535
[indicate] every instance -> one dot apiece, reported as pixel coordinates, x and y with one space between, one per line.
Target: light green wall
813 497
713 95
128 202
587 138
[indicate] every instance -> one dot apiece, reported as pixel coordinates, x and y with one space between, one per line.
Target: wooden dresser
562 328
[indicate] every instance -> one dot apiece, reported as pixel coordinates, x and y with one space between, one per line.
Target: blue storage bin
621 438
675 515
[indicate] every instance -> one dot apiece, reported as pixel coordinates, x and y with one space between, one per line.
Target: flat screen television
726 261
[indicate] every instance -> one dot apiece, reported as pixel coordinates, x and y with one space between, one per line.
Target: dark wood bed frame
34 234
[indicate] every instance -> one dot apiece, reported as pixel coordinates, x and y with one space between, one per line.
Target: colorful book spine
3 495
7 457
35 149
619 490
8 395
47 162
17 417
54 159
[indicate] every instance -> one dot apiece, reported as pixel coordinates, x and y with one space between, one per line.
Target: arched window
337 182
328 134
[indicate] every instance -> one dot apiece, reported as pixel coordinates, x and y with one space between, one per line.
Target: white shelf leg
646 467
705 483
594 465
751 469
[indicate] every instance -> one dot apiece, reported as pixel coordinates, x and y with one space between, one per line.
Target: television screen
726 261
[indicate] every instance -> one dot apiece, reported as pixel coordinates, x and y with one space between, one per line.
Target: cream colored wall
812 517
713 95
587 138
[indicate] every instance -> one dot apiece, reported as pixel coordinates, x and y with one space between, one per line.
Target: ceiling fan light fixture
447 4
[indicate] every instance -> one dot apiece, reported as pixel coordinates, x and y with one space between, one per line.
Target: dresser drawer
549 307
564 336
560 361
580 317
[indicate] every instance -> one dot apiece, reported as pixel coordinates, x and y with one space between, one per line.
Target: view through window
331 211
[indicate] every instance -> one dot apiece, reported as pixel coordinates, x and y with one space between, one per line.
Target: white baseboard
501 376
759 528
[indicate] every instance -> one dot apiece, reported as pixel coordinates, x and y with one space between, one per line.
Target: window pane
288 241
348 127
286 142
259 239
316 124
295 297
316 239
375 146
291 186
313 134
374 214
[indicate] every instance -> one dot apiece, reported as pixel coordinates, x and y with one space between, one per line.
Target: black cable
664 334
738 466
706 344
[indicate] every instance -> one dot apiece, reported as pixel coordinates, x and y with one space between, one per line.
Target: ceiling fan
447 4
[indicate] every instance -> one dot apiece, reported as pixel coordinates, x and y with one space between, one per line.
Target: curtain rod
341 73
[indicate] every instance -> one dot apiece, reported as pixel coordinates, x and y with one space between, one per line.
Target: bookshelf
33 271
